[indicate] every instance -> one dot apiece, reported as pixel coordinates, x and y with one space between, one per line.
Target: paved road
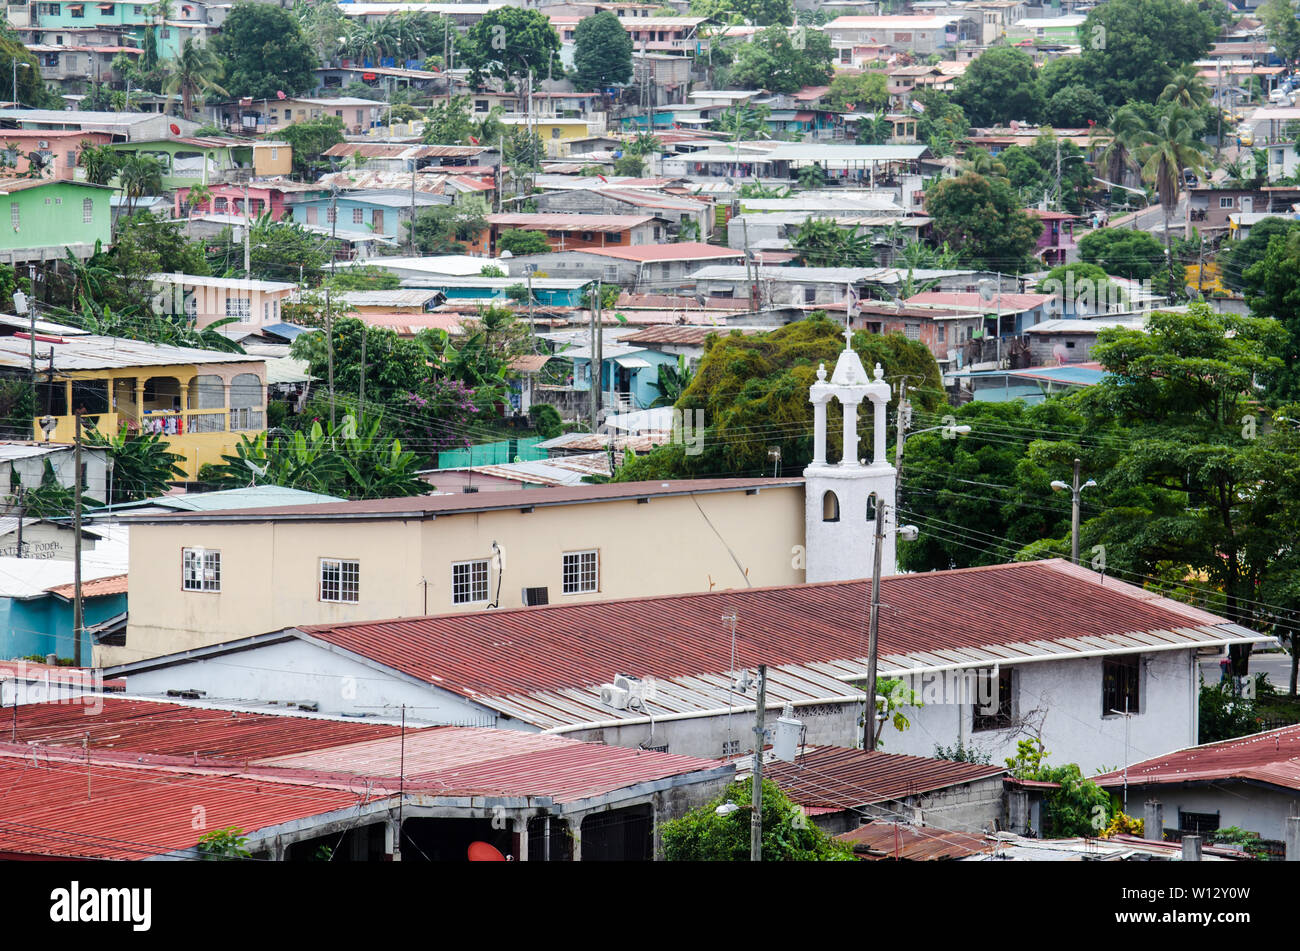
1277 667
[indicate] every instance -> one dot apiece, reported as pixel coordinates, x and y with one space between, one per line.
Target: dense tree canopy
507 43
756 12
865 92
983 221
602 54
779 62
999 86
1124 252
788 836
1131 48
264 52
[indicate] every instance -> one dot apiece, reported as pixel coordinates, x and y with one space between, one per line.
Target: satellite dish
175 129
483 852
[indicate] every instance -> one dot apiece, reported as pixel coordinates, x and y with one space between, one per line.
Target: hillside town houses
572 423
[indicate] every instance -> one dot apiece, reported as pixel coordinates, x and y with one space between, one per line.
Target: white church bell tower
840 499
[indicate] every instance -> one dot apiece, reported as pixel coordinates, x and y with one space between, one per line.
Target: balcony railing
165 424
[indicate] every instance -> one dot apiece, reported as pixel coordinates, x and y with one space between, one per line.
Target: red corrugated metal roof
835 776
1272 757
526 650
172 729
890 840
135 813
565 222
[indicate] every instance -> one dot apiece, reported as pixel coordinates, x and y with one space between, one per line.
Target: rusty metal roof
544 665
99 588
683 334
838 777
567 222
1272 757
892 840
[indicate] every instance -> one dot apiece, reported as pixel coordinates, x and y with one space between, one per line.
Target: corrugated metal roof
687 335
99 588
892 840
1272 757
544 665
838 777
566 222
673 251
92 352
434 505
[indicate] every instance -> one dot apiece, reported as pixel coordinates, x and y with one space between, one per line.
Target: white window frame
344 590
239 307
464 591
200 570
1227 201
580 572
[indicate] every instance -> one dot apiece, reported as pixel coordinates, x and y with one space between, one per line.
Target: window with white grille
469 582
15 217
238 307
200 569
87 210
580 572
340 580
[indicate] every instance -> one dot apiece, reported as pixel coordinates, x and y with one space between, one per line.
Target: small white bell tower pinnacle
840 499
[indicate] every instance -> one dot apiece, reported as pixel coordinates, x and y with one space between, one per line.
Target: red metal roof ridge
613 602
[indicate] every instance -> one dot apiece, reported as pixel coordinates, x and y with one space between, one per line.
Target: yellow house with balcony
200 401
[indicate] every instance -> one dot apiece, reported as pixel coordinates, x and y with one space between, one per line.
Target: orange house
60 149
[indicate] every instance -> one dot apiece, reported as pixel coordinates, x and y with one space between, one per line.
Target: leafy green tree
279 251
983 219
874 130
1224 715
943 124
778 62
602 54
444 229
1001 85
264 52
394 366
745 122
1132 48
755 12
506 43
1124 252
788 836
753 391
633 166
865 92
1274 293
452 122
31 91
1056 74
820 242
1279 18
143 466
309 140
546 420
1236 258
672 382
352 460
224 845
149 244
52 499
519 242
1073 107
1078 807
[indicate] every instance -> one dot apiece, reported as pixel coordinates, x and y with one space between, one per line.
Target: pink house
1057 240
60 149
228 199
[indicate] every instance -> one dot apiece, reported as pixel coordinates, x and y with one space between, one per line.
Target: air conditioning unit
612 696
536 596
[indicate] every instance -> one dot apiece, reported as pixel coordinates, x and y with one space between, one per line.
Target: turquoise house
131 19
628 374
36 620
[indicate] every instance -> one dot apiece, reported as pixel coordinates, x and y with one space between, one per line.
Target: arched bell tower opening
841 547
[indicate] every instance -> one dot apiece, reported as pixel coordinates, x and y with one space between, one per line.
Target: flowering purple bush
441 417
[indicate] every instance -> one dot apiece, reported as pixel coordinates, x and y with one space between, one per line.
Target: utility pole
532 327
361 398
329 352
597 359
411 242
900 435
31 315
248 234
77 619
873 629
756 816
22 513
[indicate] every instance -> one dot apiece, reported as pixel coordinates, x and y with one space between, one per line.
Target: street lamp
1075 491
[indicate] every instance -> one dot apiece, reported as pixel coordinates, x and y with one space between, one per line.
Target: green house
47 218
195 160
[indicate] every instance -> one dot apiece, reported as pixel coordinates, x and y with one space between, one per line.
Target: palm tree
139 175
876 130
1186 89
1164 151
196 71
982 162
1117 158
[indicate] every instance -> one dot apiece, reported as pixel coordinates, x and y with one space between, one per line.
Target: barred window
580 574
358 216
469 582
87 210
200 569
238 307
15 216
1121 681
340 580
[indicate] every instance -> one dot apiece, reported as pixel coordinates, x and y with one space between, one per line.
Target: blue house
381 211
628 373
36 608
